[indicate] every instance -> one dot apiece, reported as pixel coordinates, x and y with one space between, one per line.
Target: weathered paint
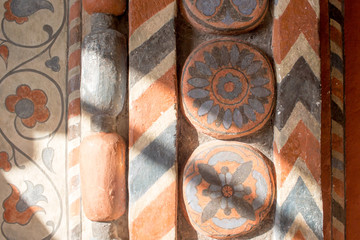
227 88
228 189
297 128
152 120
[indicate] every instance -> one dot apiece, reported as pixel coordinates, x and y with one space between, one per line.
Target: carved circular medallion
227 88
225 16
228 189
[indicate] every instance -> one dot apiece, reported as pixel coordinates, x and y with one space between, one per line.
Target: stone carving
103 90
228 189
227 88
104 75
225 16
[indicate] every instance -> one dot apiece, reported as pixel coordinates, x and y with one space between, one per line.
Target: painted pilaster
152 120
297 128
336 30
74 123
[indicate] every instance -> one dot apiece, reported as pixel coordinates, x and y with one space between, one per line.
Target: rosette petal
207 7
246 7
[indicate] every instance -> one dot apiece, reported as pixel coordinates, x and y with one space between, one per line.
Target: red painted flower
4 161
29 105
20 208
10 16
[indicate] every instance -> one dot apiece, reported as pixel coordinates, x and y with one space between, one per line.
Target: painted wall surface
33 74
40 120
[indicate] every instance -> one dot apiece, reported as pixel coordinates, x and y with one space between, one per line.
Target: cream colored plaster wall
33 76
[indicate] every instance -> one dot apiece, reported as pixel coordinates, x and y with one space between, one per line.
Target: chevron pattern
338 203
152 120
297 128
73 141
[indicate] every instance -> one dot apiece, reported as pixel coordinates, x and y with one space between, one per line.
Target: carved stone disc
228 189
227 88
224 16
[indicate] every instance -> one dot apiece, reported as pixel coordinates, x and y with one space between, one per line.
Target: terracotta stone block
227 88
226 17
228 189
114 7
102 169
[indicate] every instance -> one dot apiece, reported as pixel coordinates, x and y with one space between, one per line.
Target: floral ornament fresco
29 67
227 88
19 11
225 15
5 162
29 105
228 189
20 208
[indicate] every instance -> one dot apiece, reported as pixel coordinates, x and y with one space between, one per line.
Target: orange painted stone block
227 88
225 17
102 170
228 189
114 7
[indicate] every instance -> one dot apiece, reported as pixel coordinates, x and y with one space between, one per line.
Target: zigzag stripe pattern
289 25
297 130
338 204
73 130
301 48
152 120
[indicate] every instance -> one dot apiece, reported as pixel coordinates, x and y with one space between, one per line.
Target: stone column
103 91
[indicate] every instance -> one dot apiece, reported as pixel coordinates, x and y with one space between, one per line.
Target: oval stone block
228 189
102 169
114 7
104 72
226 17
227 88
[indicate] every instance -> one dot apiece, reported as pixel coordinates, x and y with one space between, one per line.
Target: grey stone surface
104 231
104 72
103 123
101 21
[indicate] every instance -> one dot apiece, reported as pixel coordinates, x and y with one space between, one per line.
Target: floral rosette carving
228 189
227 89
225 16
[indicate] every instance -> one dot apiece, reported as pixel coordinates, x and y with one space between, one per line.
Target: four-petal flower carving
226 191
